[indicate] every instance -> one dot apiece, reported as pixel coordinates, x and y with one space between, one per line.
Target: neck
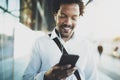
67 38
64 37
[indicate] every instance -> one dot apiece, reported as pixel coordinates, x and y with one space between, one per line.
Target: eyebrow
66 15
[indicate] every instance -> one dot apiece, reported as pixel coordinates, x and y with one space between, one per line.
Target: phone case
68 59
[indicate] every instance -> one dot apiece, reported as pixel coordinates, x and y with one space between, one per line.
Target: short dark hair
57 3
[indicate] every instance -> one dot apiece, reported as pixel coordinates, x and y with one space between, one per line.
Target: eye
62 16
75 18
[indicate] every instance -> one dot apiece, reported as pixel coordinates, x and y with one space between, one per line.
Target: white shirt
46 54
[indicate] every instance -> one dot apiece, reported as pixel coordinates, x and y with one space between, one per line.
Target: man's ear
55 17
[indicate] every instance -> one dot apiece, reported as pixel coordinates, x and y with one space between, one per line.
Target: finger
64 67
70 71
61 71
56 67
66 73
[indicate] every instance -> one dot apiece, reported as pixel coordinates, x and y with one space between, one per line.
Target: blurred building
36 14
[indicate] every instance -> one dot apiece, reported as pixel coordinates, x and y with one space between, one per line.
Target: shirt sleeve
32 71
91 66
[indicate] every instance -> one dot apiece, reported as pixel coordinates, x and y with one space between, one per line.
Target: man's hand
59 72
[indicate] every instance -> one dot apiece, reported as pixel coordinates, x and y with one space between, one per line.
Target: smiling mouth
66 29
66 26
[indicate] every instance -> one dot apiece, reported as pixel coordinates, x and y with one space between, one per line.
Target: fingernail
73 71
69 65
75 68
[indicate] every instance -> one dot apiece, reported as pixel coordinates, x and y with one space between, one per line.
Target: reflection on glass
7 39
6 57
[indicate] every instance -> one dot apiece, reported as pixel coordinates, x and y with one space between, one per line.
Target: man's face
66 19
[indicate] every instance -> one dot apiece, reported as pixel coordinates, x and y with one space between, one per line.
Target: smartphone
68 59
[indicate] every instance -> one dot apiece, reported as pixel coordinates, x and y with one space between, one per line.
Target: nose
68 21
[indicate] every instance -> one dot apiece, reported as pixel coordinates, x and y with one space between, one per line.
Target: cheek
59 21
74 24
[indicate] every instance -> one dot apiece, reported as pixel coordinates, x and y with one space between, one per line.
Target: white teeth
66 28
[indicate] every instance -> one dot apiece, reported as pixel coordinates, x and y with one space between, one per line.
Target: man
45 57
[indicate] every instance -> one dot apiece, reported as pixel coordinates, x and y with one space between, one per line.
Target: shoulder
43 37
41 43
86 44
41 40
81 40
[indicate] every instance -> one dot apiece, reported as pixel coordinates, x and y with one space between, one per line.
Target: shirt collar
53 34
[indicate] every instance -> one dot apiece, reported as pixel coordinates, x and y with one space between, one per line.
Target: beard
66 30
